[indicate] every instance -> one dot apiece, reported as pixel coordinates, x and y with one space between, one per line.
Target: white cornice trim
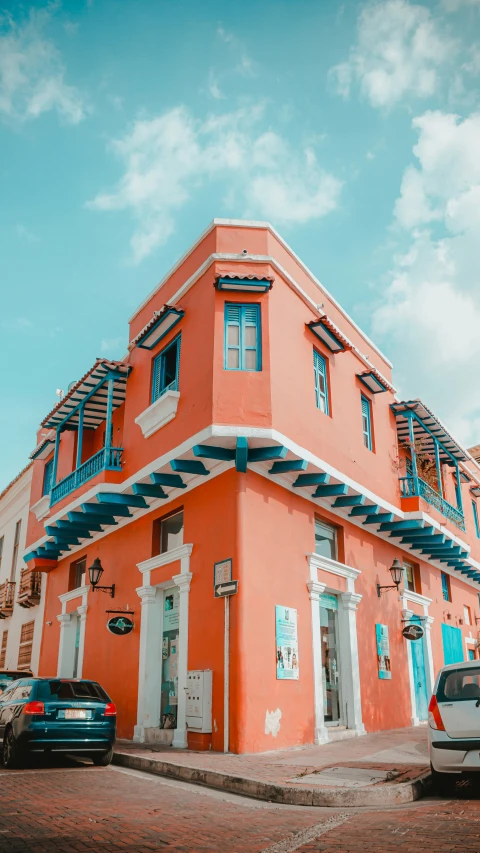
317 561
415 598
159 413
41 508
74 593
245 223
165 559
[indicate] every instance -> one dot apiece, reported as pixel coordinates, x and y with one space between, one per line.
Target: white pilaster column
315 590
350 675
406 616
82 615
150 662
183 582
427 645
64 646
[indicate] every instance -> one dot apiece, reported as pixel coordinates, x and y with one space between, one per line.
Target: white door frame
151 632
68 629
407 597
348 643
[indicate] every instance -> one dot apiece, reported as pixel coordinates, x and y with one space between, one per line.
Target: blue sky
125 128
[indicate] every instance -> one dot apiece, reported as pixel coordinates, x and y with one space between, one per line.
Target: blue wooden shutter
366 423
475 518
47 477
452 644
445 589
157 378
242 337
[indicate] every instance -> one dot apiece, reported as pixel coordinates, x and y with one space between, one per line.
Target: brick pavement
76 809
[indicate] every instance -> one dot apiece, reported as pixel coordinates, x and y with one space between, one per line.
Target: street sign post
223 589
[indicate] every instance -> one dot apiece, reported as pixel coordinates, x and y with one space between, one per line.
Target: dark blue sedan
57 715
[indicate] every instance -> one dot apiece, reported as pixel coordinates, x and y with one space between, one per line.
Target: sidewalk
384 768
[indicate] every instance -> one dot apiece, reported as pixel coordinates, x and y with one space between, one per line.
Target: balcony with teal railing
107 459
412 487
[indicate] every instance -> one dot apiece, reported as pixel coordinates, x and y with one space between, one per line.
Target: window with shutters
3 649
25 647
166 370
367 423
16 544
475 518
243 350
2 538
321 382
47 477
447 595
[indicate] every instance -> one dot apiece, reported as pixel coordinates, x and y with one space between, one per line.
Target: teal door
419 680
452 644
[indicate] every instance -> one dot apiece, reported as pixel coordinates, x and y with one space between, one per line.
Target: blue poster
383 651
286 641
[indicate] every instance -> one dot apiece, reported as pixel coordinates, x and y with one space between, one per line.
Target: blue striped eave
329 334
373 381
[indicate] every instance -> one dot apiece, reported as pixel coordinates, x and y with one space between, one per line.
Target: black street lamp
95 572
396 571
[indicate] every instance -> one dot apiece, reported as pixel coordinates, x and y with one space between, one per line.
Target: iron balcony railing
7 598
30 588
107 459
412 487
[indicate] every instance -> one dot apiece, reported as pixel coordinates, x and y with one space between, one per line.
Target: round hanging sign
413 632
120 625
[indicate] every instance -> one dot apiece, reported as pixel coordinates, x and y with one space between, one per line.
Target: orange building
252 421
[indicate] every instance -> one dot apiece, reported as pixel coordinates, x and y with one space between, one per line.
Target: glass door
330 660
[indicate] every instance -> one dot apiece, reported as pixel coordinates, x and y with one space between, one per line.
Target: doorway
419 677
331 676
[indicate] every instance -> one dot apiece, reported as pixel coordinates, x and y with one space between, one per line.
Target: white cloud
168 158
32 75
430 311
454 5
26 234
399 49
213 87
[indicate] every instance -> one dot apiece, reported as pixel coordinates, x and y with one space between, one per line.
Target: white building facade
21 594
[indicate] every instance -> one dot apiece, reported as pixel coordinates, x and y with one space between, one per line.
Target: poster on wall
286 642
170 610
383 651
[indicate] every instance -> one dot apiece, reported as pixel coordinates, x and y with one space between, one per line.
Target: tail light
34 708
110 710
434 716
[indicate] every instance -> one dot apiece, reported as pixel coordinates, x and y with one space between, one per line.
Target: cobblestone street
74 807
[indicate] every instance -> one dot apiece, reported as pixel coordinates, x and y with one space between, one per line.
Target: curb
387 795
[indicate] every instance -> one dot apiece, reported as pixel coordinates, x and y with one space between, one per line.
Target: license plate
75 714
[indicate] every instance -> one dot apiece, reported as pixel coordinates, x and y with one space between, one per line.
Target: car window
6 695
22 691
459 685
6 679
65 690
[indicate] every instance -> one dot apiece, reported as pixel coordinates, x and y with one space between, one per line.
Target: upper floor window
325 540
242 337
475 518
165 370
467 616
171 532
446 587
321 382
78 574
367 422
16 543
409 577
2 538
48 477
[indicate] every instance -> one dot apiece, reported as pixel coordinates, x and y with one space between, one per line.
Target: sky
125 128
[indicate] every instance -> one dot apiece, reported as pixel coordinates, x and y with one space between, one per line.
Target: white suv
454 723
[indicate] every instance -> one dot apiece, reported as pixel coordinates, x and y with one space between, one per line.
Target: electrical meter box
199 700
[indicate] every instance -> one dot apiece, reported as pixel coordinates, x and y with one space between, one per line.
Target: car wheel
443 783
11 751
103 760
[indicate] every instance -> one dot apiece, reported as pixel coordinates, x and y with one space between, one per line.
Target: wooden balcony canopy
427 429
90 395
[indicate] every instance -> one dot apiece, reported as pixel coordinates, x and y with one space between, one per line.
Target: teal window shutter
321 385
242 337
47 477
166 369
475 518
445 587
367 422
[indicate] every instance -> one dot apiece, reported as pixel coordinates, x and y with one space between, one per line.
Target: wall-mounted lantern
396 570
95 572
